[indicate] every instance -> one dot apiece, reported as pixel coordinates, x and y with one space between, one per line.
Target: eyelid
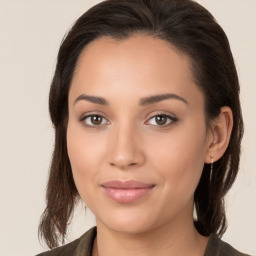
162 113
97 113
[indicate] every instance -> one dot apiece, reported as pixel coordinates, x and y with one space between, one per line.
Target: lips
126 191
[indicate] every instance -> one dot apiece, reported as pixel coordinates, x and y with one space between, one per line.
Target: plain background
30 34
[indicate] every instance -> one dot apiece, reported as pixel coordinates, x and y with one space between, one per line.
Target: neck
166 240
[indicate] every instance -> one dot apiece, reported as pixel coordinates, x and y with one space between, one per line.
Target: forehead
146 50
141 64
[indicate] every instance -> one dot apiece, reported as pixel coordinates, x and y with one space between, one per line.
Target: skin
129 143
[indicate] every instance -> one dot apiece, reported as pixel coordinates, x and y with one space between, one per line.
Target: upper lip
129 184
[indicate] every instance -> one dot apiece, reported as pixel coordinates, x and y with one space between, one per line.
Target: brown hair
192 30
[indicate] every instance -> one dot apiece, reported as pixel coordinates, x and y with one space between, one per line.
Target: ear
220 132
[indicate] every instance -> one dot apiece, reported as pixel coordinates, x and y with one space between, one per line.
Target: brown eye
162 120
93 120
96 120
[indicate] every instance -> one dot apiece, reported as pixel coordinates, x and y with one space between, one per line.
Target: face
136 134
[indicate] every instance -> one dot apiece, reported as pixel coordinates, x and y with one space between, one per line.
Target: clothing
83 247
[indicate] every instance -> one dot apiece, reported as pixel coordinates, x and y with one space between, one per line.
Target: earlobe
221 129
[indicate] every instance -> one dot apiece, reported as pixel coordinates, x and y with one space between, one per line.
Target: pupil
96 119
161 120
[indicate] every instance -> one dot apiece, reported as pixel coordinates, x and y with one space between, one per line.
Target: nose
126 148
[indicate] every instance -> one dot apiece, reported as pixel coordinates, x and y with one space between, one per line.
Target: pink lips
126 191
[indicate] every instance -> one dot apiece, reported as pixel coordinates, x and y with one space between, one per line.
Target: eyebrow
143 101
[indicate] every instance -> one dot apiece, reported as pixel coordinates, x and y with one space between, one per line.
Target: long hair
191 29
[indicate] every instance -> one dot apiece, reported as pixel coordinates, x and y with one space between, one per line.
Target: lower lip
126 195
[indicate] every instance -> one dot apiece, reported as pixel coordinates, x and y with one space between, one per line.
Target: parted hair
192 30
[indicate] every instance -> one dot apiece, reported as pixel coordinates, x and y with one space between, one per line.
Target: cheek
84 148
84 155
179 159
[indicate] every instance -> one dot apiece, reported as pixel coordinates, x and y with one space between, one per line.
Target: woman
148 126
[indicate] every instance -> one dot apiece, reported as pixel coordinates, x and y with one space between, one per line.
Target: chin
129 222
129 228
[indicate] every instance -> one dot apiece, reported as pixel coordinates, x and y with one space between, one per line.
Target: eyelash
172 120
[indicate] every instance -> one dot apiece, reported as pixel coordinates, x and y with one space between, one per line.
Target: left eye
162 120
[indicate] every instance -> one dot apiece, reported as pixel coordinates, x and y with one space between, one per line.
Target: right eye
93 121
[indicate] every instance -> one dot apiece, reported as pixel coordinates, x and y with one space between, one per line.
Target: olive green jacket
83 247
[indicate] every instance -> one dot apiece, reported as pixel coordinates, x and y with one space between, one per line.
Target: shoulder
71 249
217 247
67 249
